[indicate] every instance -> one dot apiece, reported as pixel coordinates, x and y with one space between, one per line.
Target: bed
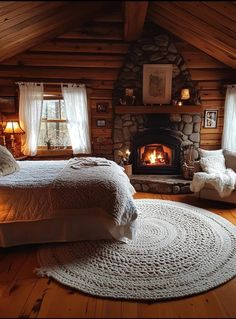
84 198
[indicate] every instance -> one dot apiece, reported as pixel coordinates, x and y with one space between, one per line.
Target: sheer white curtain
229 129
76 107
30 113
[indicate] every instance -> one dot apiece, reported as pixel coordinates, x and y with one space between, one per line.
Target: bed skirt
73 227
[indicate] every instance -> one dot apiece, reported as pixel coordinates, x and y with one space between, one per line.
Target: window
53 129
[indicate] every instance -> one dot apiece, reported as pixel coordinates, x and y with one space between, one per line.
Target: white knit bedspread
48 189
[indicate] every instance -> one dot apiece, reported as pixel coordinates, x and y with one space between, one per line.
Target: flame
153 157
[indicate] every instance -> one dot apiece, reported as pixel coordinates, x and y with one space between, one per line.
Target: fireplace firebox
156 151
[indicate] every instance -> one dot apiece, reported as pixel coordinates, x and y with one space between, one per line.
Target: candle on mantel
180 103
127 153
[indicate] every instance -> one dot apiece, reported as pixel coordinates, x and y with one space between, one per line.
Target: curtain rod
53 83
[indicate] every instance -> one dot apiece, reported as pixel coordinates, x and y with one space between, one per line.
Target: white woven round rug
180 250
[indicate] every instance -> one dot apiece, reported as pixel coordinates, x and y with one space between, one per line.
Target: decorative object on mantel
128 98
157 83
180 250
185 94
13 127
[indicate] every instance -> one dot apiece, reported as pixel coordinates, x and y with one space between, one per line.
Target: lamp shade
13 127
185 94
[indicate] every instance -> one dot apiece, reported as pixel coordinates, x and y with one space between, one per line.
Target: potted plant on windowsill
48 142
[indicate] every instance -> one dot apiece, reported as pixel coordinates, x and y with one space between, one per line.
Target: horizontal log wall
211 76
92 54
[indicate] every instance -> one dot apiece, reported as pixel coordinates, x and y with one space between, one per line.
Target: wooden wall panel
211 75
91 54
94 54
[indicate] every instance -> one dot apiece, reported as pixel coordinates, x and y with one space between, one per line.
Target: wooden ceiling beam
134 18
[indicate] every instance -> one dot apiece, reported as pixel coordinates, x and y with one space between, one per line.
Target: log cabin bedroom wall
94 50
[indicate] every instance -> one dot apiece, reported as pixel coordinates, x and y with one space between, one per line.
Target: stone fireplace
156 141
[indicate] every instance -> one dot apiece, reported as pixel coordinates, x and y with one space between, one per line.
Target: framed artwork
7 104
210 118
157 83
102 107
101 123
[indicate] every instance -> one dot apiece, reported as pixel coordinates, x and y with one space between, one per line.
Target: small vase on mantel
128 98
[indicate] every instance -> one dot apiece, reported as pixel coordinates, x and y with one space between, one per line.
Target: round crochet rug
180 250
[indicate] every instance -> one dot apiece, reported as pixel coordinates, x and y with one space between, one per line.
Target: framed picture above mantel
157 83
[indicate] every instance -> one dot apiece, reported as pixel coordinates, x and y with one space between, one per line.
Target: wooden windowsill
54 152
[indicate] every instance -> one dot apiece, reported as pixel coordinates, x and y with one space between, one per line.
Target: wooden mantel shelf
142 109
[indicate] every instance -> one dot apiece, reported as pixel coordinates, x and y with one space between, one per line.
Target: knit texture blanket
95 182
224 182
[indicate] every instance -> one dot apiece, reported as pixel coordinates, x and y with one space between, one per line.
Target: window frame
42 149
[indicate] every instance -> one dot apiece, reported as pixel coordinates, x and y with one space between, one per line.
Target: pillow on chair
213 164
230 159
207 153
8 164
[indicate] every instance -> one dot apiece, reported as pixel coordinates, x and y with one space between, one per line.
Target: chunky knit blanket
95 182
223 182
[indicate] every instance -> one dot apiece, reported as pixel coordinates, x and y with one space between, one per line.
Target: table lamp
13 127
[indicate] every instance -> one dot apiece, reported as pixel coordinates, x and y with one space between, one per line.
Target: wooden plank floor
24 295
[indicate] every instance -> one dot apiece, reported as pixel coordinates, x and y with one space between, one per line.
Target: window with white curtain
229 129
53 129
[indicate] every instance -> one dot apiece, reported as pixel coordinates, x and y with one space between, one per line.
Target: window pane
56 132
51 109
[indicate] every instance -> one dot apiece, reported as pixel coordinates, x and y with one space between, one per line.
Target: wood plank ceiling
24 24
208 25
91 52
36 44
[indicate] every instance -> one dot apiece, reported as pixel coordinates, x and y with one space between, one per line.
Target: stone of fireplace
126 127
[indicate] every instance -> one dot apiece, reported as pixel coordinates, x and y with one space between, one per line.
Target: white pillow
8 164
213 164
206 153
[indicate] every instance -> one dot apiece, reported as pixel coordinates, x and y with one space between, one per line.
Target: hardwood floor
24 295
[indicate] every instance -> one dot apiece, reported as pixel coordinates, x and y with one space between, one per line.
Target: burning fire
153 158
154 155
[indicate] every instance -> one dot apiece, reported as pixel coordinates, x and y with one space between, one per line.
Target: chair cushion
230 159
213 164
206 153
8 164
